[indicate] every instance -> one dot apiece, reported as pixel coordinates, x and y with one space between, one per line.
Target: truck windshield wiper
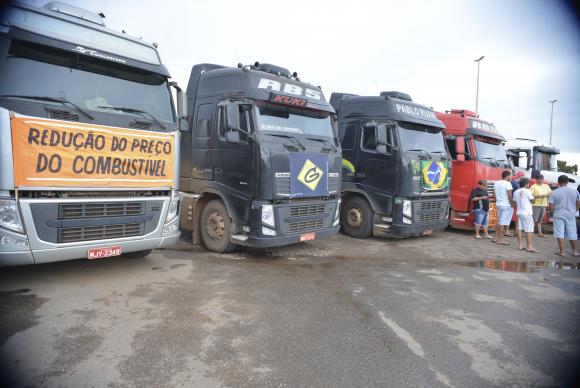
493 159
332 147
443 154
419 150
139 112
50 99
291 138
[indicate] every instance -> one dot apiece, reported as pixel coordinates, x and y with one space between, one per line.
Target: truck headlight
171 227
9 217
173 208
268 215
268 232
407 209
7 240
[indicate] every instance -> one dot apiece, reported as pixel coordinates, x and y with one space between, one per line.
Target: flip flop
477 237
542 236
560 254
488 237
576 254
503 243
521 249
532 250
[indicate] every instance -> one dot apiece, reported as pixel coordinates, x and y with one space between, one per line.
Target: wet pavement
441 310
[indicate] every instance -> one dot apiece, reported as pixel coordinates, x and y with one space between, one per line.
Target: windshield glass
489 149
545 161
415 137
90 90
293 121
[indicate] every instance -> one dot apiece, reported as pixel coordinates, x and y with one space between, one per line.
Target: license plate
427 232
307 236
99 253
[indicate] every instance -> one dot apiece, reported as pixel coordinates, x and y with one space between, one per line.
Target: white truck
535 158
88 139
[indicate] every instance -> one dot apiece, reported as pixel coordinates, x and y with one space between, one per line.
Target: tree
563 166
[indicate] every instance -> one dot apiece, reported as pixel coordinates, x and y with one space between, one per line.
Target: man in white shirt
503 203
523 198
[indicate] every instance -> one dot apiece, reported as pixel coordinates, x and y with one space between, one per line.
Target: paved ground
422 312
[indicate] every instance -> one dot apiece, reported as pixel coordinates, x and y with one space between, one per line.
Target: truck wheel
215 227
356 218
137 255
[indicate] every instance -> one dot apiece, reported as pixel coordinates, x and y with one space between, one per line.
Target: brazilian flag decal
434 175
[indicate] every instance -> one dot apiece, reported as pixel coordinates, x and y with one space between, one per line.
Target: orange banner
51 153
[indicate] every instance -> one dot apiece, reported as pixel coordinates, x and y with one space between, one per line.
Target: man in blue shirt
564 203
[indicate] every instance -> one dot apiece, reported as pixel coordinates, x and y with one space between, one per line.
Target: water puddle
520 266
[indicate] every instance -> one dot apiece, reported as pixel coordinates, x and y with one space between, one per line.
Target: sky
424 48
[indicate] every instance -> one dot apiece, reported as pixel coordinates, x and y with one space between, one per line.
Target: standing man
523 198
540 191
564 203
503 202
480 201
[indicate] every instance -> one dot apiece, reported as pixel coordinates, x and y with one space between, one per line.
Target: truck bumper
405 230
27 256
268 242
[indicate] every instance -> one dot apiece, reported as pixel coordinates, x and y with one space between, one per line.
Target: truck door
235 157
377 172
203 152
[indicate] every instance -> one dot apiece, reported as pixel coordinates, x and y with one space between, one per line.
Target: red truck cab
476 148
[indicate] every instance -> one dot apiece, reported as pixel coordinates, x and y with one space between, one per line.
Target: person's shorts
539 212
481 217
526 223
504 215
565 228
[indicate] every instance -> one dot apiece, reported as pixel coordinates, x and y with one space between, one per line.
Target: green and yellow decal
434 175
348 165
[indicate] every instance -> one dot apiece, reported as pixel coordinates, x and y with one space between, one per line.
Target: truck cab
535 158
260 163
476 148
396 170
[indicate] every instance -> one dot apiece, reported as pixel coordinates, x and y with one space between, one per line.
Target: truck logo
275 86
96 54
310 175
435 175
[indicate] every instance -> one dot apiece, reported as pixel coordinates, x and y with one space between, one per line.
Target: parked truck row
98 159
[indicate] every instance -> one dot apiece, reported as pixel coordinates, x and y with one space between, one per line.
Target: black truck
260 164
396 170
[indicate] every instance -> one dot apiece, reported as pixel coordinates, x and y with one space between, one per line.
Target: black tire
138 254
215 226
356 218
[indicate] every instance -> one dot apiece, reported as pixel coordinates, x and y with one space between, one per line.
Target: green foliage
563 166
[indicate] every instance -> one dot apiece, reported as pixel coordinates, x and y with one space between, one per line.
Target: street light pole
477 87
551 118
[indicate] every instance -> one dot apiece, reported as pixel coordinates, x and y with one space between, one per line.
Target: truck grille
100 232
430 205
429 217
306 210
305 225
99 210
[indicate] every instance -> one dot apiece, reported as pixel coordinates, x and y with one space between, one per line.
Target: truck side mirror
232 117
182 120
381 135
460 148
233 137
382 149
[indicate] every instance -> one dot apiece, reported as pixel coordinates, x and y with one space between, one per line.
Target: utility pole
551 118
477 87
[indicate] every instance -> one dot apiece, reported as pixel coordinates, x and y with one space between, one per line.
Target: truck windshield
545 161
91 86
294 121
489 150
421 138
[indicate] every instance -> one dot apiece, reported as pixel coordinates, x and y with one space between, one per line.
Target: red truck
476 148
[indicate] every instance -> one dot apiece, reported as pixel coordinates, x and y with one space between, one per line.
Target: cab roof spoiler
337 98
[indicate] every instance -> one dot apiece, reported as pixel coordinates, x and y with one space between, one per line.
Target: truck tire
215 227
138 254
356 218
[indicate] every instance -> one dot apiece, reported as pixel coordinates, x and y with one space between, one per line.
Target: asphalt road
423 312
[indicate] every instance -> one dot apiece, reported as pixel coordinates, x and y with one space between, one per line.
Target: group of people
530 201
